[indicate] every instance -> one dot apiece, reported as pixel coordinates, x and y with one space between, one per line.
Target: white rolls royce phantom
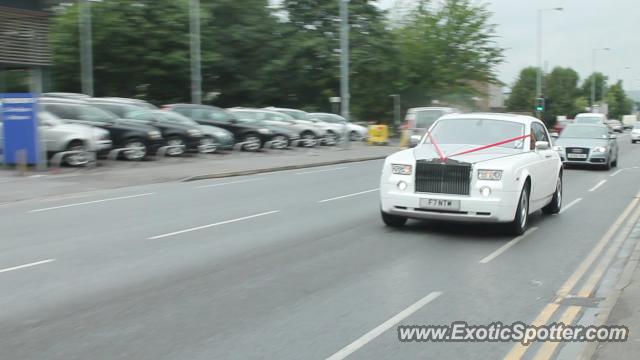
474 167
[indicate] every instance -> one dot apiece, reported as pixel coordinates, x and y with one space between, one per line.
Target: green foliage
523 93
600 80
561 88
619 103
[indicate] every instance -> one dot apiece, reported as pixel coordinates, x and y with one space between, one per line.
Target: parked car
213 137
615 125
66 95
59 136
354 131
419 120
140 140
591 118
331 131
474 167
282 125
635 133
588 144
179 137
250 136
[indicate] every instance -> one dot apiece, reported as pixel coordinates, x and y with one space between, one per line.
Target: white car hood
428 152
85 130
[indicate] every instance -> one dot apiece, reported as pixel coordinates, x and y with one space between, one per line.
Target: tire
279 142
331 138
252 142
393 221
353 136
607 166
309 139
615 163
555 205
76 160
521 221
211 142
176 141
138 149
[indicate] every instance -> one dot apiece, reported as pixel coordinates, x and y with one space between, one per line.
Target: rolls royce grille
441 178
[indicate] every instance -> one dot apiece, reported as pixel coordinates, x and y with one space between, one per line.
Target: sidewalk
626 310
114 174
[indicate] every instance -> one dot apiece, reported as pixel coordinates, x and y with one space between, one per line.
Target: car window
183 111
477 132
216 115
426 118
539 132
62 111
591 132
94 114
117 110
588 120
278 117
142 115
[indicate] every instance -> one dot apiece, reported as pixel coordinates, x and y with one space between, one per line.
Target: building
25 55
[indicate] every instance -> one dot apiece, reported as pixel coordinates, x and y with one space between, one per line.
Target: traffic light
540 104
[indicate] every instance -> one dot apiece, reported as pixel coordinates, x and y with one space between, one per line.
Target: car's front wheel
251 142
176 145
309 139
79 158
136 149
519 224
393 220
279 142
555 205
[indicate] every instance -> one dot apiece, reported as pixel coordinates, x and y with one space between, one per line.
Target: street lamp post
344 66
593 75
196 67
86 51
539 48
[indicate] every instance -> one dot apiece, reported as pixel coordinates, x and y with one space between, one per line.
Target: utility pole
344 65
539 47
86 47
396 110
196 67
593 75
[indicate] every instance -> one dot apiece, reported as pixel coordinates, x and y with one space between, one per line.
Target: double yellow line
548 349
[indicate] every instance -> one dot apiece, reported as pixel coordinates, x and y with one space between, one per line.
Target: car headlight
600 149
194 132
154 134
264 131
489 174
399 169
558 148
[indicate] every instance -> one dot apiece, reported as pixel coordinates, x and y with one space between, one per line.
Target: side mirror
554 135
613 136
414 140
542 145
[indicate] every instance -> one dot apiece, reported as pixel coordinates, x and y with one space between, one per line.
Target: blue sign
20 127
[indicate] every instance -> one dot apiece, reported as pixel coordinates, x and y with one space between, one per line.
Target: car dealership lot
292 264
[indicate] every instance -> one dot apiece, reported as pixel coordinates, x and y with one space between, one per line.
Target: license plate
577 156
439 204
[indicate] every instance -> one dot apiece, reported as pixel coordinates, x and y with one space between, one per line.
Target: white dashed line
229 183
211 225
569 205
366 338
319 171
27 265
507 246
348 195
597 186
90 202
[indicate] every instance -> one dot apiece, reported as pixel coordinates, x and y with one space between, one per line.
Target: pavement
297 264
115 174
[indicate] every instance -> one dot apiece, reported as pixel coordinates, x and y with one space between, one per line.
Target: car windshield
48 117
426 118
477 132
585 132
295 114
175 117
94 114
589 120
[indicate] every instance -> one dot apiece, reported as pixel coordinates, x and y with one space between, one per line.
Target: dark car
140 139
283 137
252 137
587 144
213 138
180 137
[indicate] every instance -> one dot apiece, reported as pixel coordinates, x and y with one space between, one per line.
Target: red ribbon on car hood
444 157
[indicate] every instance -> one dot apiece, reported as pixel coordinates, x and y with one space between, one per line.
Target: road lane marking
366 338
27 265
229 183
518 350
348 195
597 186
569 205
211 225
90 202
319 171
549 348
617 172
590 285
507 246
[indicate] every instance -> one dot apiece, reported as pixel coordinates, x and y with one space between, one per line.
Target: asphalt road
286 265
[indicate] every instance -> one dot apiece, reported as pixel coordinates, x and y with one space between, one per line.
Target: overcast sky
568 36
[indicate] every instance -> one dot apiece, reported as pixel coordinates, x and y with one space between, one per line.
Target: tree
444 50
619 103
600 80
523 92
560 87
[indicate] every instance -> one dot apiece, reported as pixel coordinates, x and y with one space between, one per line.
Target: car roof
525 119
603 126
424 108
60 100
66 95
590 115
273 108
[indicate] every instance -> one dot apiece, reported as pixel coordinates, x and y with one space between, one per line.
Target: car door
548 163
